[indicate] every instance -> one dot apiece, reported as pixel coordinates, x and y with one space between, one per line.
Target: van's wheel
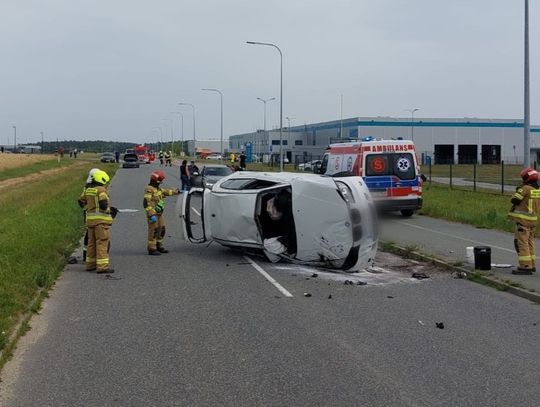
406 213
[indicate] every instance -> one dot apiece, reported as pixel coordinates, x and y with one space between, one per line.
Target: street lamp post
412 120
172 134
160 137
193 107
280 98
264 101
42 144
289 133
14 138
526 110
181 115
221 99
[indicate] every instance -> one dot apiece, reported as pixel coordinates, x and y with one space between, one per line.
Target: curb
472 275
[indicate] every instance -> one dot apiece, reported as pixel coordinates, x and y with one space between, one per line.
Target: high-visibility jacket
95 215
153 199
526 210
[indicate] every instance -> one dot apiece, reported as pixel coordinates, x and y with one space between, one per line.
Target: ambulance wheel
406 213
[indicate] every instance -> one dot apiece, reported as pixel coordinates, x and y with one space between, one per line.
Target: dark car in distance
130 161
107 158
210 174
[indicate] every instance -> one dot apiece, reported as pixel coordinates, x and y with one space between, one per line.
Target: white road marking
128 210
455 237
268 277
196 211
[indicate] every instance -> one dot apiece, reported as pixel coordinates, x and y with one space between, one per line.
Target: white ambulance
389 168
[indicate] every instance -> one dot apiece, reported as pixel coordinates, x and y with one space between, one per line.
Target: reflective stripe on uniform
526 258
535 193
99 217
523 215
518 196
101 262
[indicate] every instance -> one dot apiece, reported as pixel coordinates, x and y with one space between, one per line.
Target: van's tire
407 213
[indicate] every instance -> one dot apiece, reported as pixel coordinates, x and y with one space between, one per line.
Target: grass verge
32 168
40 225
480 209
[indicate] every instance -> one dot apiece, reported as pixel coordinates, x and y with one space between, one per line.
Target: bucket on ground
469 255
482 258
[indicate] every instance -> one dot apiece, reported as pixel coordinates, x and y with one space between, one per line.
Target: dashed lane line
282 289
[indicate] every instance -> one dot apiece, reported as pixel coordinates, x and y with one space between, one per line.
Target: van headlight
345 192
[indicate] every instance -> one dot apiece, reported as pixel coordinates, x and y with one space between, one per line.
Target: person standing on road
524 212
242 160
168 156
154 205
99 216
161 157
184 176
82 204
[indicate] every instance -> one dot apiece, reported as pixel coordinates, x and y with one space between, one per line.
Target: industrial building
441 141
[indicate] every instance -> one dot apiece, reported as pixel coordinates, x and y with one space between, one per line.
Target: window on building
298 142
275 142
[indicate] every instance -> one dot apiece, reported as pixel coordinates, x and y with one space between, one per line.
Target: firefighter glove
153 219
114 212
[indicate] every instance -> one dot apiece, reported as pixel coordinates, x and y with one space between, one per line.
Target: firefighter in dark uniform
168 157
154 205
524 212
99 215
161 157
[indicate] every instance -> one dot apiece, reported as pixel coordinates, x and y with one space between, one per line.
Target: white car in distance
301 218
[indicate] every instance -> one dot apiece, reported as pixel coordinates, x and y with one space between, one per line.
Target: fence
496 178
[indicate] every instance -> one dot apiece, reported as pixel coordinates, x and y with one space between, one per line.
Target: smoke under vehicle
300 218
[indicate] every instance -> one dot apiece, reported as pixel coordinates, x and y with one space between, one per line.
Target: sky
116 69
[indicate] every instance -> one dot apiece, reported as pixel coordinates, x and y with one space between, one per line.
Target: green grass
490 173
480 209
32 168
40 225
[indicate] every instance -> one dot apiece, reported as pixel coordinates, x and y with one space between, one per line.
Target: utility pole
14 138
526 118
42 145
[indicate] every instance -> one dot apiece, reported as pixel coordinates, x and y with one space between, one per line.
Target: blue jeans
185 182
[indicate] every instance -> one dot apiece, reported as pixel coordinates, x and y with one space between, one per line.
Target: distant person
161 157
524 212
193 168
70 153
168 157
233 158
75 152
154 205
184 175
117 156
61 152
2 149
242 160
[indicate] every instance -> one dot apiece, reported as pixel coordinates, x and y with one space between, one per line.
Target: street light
289 133
15 139
181 115
221 99
160 137
412 120
172 135
264 101
526 92
41 141
280 98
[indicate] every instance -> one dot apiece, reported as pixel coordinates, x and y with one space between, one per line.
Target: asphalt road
202 326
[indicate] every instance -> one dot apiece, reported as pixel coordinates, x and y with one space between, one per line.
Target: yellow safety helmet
91 175
101 177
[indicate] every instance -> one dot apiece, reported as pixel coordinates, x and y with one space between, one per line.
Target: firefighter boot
153 253
161 249
110 270
522 271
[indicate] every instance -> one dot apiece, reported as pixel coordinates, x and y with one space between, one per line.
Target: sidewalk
462 182
448 241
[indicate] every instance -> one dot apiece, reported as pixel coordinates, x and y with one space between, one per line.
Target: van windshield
400 165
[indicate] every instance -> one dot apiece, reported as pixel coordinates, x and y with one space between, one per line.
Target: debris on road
389 296
361 283
348 282
421 323
330 297
439 325
307 295
314 275
459 274
72 260
419 276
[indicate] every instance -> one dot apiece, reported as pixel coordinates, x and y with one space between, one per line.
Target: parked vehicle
213 156
302 218
389 168
310 165
210 174
130 161
143 154
107 158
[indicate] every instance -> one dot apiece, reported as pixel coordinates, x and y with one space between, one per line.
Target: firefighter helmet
157 176
101 177
91 175
529 175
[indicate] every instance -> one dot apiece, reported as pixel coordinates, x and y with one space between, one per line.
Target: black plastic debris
389 296
314 275
72 260
329 296
277 296
439 325
109 277
307 295
361 283
419 276
348 282
227 264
